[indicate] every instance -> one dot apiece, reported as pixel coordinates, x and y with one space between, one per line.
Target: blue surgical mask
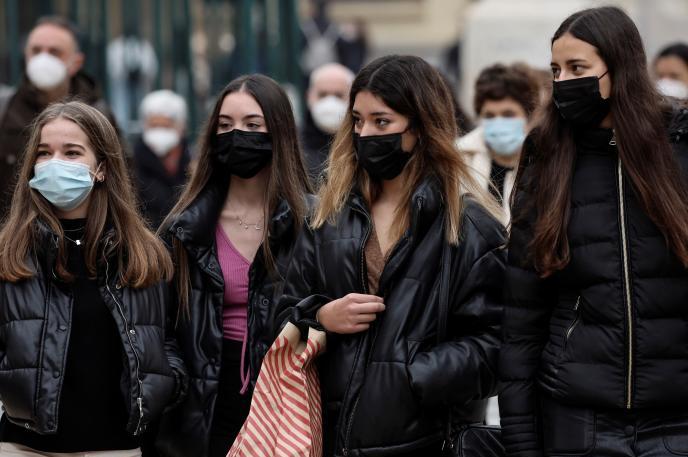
64 184
504 135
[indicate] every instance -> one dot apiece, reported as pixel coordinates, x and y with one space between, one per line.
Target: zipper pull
612 142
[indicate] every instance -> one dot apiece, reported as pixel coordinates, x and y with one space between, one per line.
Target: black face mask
243 153
579 100
381 155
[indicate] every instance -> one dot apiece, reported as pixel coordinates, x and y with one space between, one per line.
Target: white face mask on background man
161 140
45 71
328 113
672 88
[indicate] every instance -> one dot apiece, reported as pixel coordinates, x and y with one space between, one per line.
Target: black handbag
477 441
474 440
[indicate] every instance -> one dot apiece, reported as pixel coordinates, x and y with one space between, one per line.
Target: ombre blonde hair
413 88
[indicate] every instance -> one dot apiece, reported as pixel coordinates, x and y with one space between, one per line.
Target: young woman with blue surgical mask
86 359
505 99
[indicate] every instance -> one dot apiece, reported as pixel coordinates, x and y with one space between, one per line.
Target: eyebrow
248 116
571 61
73 145
376 113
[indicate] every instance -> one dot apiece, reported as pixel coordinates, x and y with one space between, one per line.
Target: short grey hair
164 103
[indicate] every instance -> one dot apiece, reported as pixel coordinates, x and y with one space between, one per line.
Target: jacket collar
195 226
426 204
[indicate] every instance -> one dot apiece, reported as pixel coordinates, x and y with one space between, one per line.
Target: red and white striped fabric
285 419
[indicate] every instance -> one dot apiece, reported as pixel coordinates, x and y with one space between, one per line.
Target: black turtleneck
92 412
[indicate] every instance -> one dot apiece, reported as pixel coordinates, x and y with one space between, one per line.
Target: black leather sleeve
465 367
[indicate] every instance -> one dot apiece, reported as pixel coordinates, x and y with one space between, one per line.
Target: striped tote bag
285 419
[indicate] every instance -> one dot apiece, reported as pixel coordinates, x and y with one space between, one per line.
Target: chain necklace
245 225
77 241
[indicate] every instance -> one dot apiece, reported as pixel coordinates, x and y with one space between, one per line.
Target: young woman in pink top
231 234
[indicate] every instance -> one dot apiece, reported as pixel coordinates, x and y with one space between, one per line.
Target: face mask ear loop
95 174
603 74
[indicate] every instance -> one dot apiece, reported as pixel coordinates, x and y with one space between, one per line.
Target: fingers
364 298
365 318
367 308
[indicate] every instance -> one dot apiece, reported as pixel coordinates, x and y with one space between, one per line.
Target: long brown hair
287 181
642 142
142 258
413 88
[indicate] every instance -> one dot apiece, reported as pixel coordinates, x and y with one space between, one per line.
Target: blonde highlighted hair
413 88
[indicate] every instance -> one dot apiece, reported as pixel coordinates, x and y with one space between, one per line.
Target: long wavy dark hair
288 179
638 116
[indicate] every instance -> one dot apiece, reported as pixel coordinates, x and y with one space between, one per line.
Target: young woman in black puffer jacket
87 355
391 238
595 356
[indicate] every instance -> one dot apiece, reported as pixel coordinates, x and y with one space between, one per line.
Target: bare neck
393 189
506 161
248 193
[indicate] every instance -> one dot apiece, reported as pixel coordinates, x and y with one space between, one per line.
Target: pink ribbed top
235 272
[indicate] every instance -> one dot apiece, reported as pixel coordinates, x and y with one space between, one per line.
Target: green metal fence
200 44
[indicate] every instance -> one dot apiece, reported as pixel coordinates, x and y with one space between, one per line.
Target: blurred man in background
161 156
327 99
671 71
53 72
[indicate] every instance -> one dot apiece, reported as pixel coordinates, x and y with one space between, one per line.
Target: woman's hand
352 313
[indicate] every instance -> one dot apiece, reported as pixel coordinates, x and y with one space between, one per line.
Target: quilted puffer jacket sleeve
528 304
172 350
300 300
465 367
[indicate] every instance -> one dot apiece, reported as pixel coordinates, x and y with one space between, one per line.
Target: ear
100 174
77 63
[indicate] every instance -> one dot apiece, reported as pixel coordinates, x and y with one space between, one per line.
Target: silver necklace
245 225
77 242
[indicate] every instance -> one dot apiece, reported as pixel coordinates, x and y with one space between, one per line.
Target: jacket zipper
139 399
364 284
627 282
364 288
573 325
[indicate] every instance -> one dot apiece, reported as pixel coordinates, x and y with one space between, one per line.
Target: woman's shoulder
478 223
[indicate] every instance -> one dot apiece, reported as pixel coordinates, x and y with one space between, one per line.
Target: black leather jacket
609 330
387 390
35 315
185 430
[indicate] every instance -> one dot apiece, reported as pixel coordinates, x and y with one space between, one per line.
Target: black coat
609 331
386 390
316 149
157 189
185 431
35 317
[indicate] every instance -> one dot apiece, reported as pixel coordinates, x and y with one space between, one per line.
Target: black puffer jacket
386 390
35 315
611 329
184 432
